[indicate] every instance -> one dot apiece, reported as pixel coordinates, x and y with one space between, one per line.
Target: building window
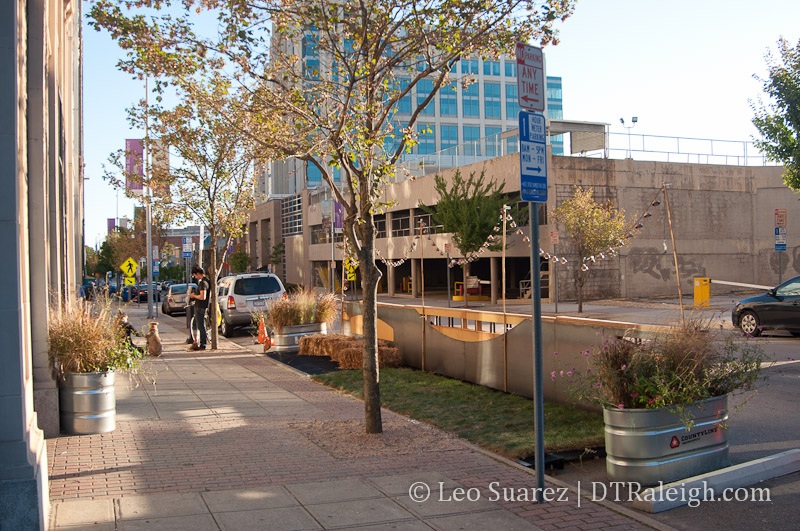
424 88
427 140
310 46
469 66
491 104
314 174
311 69
471 100
400 225
471 134
403 104
448 100
449 136
429 226
491 68
512 104
380 226
292 215
492 141
511 68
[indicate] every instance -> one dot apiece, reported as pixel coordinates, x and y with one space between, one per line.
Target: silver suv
241 295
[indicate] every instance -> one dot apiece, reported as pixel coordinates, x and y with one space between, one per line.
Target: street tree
211 178
469 209
336 108
591 228
779 121
240 259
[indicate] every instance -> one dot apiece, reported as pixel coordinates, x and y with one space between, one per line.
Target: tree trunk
370 275
212 299
580 279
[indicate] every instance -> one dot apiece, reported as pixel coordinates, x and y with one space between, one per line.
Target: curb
659 499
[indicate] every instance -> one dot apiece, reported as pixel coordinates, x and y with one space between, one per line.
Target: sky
683 68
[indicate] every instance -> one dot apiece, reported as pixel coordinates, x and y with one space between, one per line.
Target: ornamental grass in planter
301 307
672 369
301 313
665 401
86 336
87 346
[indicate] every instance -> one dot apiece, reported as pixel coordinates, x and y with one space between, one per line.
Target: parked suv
175 299
241 295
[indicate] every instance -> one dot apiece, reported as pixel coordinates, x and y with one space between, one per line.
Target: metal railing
618 146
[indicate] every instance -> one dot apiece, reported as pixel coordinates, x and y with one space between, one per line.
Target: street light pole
629 127
147 200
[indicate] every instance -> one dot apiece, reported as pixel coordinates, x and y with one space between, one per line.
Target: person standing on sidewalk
200 297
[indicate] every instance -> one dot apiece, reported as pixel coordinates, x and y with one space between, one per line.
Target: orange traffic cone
262 331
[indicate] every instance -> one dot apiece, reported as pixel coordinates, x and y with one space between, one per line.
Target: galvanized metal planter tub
287 338
88 403
651 445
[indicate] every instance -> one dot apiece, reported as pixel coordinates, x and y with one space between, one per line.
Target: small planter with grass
302 313
665 401
87 348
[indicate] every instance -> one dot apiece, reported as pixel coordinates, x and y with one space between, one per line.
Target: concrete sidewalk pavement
230 439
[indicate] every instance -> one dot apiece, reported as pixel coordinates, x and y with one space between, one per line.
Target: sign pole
533 189
536 315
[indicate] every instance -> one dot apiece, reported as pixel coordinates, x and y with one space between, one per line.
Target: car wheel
749 324
225 328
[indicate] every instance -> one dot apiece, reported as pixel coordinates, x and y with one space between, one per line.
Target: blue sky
684 68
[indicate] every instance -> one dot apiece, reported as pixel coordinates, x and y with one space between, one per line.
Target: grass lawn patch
497 421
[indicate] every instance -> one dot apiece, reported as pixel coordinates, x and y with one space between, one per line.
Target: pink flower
569 373
597 384
555 353
562 373
621 406
634 395
624 367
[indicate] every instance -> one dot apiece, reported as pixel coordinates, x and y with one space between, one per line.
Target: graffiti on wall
653 262
649 262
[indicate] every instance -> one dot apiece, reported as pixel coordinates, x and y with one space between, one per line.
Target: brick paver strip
216 452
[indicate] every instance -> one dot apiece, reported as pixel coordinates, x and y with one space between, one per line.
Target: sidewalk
232 440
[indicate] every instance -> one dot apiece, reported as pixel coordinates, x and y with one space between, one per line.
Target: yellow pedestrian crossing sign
350 266
130 281
129 267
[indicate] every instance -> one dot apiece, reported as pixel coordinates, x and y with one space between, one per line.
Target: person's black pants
200 324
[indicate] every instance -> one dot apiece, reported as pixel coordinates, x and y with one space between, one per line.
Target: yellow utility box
702 292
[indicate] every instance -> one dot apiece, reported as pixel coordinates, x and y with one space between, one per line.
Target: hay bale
389 357
347 351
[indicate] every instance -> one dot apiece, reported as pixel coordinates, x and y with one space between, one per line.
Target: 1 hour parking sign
533 157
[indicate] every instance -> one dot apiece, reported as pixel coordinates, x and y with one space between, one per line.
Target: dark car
777 309
141 296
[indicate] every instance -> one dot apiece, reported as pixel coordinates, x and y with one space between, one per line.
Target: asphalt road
769 423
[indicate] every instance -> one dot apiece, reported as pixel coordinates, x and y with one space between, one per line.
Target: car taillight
285 296
231 303
170 299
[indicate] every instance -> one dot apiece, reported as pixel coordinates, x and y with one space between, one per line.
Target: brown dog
153 340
